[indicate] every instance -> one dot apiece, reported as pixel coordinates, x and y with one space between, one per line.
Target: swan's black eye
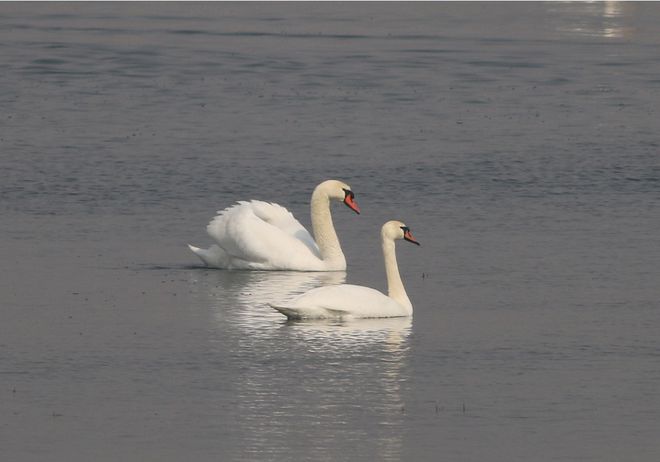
348 193
405 229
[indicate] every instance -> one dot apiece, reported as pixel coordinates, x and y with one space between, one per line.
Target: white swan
348 301
258 235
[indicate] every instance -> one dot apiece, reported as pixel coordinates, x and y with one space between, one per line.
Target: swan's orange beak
349 200
407 235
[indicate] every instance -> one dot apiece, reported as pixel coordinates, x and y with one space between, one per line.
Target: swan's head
398 230
338 190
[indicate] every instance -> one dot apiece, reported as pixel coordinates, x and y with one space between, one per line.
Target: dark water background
519 141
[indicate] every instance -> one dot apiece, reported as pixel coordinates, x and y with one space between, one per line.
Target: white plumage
342 301
348 301
259 235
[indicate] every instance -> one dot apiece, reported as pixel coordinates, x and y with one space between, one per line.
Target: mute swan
258 235
348 301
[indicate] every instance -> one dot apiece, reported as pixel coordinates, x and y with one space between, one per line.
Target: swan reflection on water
294 383
240 297
315 381
391 332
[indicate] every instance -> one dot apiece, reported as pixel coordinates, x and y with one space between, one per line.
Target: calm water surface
519 141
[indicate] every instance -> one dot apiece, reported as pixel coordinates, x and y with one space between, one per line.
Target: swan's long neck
324 231
395 289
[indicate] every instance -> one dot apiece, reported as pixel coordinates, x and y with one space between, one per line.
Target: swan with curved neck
259 235
348 301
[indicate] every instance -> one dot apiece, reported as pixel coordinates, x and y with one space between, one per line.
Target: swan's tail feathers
287 311
213 256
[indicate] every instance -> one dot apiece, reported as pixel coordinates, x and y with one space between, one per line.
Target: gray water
520 142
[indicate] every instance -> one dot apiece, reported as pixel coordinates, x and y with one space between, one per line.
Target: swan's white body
350 301
258 235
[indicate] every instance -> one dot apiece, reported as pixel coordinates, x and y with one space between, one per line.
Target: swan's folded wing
260 232
317 312
336 311
281 218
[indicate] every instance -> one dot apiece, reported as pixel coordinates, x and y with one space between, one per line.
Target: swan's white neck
395 289
324 231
